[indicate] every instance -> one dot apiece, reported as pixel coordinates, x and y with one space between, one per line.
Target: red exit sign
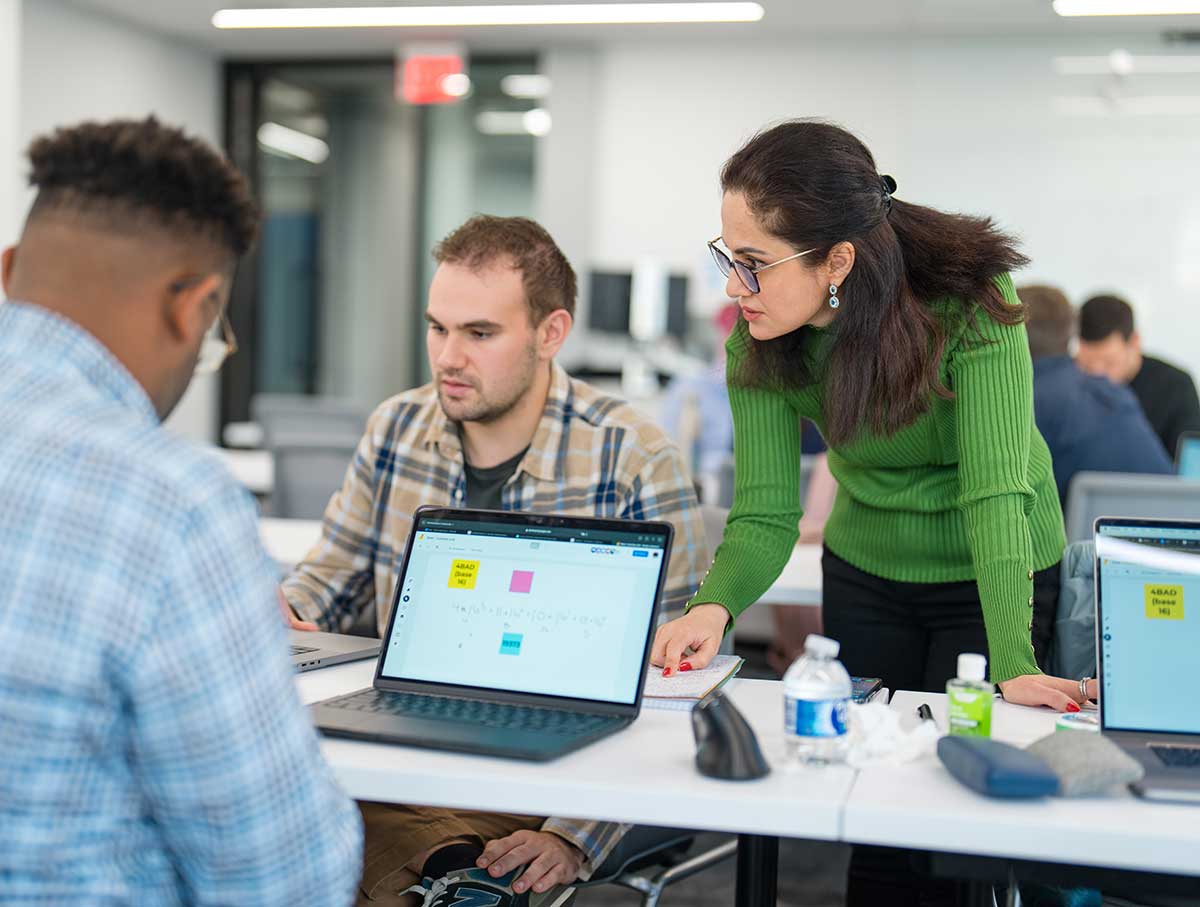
422 78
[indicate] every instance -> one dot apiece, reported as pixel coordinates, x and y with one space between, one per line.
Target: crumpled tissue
876 738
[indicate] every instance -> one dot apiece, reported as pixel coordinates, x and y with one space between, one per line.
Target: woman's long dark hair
813 184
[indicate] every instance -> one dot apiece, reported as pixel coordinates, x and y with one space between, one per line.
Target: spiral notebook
684 689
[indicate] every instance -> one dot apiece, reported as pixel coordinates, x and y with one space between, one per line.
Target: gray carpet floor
811 874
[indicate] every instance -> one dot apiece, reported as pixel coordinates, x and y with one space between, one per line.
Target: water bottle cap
972 666
822 646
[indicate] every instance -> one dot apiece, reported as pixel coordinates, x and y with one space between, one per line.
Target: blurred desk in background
287 541
253 468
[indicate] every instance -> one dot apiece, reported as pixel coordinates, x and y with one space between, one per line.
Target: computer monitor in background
608 302
677 311
610 294
1187 455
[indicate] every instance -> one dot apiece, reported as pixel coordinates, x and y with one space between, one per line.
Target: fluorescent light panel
531 85
293 142
513 122
1127 7
522 14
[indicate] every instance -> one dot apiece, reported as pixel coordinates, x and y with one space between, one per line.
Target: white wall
1101 202
11 198
76 65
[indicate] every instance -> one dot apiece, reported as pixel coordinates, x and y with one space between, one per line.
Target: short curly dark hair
124 171
547 276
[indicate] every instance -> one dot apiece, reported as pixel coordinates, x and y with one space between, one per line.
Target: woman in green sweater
896 329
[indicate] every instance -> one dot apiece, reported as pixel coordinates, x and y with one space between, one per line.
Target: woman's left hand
1058 693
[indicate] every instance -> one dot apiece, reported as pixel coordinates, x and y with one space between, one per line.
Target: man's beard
483 409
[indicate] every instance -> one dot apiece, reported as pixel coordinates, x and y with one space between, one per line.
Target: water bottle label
816 718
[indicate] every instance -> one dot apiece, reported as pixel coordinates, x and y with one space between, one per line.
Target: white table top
800 582
253 468
287 541
644 774
920 805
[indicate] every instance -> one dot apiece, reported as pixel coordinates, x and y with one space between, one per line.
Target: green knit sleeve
761 531
992 378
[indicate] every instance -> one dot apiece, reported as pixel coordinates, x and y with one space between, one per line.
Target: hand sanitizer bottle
970 698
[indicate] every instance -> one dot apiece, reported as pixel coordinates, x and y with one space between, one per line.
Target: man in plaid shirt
153 749
501 426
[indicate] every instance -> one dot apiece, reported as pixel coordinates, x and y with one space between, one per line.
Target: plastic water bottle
816 696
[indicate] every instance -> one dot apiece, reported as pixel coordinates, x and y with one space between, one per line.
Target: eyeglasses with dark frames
746 274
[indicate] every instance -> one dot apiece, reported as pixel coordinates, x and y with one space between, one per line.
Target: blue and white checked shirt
153 750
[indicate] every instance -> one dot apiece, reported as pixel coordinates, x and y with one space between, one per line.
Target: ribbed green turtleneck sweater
964 492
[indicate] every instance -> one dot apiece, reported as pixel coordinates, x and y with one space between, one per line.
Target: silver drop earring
834 302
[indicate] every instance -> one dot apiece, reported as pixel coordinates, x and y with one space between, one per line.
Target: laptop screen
556 607
1188 456
1148 607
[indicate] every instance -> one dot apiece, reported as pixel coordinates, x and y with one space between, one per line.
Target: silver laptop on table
1148 638
311 649
512 634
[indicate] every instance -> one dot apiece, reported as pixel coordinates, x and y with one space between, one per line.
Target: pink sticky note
522 581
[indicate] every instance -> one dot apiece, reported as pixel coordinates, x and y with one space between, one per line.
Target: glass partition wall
355 188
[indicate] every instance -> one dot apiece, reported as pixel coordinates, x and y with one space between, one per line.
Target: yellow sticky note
463 574
1164 602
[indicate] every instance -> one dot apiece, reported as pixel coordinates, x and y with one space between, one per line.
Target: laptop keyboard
302 650
1178 756
472 711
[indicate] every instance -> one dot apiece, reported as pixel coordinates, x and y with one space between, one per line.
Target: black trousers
910 635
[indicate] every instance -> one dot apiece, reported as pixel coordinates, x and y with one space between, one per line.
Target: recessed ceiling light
1127 7
513 14
293 143
457 84
531 85
513 122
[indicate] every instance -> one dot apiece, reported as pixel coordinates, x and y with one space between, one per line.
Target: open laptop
1187 455
312 650
512 634
1148 634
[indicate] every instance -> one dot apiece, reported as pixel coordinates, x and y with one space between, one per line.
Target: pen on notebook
924 712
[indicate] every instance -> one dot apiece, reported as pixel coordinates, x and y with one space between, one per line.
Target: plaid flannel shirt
591 455
153 749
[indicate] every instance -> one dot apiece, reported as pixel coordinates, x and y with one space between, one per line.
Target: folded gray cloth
1086 763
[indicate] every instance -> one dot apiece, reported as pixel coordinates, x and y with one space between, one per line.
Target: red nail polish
685 665
666 672
1072 707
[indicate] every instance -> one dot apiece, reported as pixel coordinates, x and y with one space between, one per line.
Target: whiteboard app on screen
1150 626
504 611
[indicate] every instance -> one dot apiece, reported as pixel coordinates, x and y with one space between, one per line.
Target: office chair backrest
1096 494
296 414
308 470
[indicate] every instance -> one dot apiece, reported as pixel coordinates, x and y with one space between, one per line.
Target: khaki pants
396 835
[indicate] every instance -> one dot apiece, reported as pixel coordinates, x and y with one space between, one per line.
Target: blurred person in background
1110 345
1090 424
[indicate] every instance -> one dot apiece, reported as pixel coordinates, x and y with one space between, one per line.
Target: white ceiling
189 20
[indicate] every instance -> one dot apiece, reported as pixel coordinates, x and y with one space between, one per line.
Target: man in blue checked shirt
152 747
